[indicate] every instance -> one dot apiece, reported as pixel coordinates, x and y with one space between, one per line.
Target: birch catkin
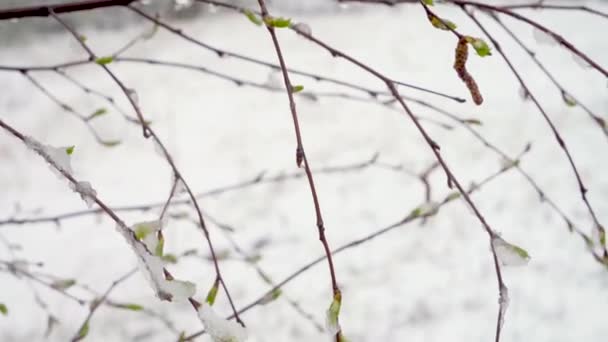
462 53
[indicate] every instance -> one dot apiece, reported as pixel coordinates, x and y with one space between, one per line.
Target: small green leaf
481 47
82 38
273 295
212 294
416 212
170 258
568 99
142 230
104 60
252 17
472 122
3 309
454 195
159 247
521 252
111 143
63 284
84 330
297 88
442 24
69 150
428 2
99 112
279 22
132 307
509 254
334 311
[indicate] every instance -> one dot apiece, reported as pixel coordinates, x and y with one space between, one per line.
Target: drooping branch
412 216
560 140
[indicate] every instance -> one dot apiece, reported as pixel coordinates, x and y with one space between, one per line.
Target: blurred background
420 282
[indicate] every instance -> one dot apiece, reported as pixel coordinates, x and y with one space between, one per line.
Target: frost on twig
147 246
543 38
302 28
509 254
503 301
220 329
59 159
86 191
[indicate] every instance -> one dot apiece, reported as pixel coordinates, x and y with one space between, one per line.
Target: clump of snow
302 28
133 95
152 266
580 61
57 157
86 191
543 38
182 4
146 233
509 254
220 329
60 161
274 79
503 301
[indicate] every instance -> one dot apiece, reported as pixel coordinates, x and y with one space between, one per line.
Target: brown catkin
460 61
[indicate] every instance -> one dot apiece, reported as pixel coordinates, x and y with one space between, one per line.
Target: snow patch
220 329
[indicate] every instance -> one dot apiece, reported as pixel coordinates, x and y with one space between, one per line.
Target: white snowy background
418 283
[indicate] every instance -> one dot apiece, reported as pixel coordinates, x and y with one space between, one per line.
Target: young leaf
442 24
159 247
476 122
279 22
276 293
111 143
454 195
252 17
170 258
63 284
104 60
84 331
331 320
142 230
568 99
99 112
509 254
70 149
481 47
3 309
132 307
212 294
297 88
428 2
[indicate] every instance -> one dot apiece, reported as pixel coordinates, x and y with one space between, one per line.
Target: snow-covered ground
417 283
